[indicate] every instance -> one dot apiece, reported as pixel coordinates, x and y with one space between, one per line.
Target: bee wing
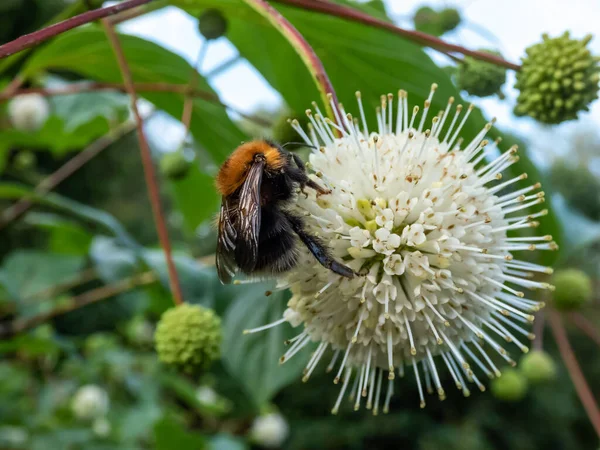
246 253
226 267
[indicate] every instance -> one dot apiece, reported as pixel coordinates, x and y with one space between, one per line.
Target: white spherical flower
101 427
28 112
206 395
269 430
422 219
90 402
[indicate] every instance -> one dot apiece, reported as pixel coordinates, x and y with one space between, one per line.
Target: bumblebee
256 231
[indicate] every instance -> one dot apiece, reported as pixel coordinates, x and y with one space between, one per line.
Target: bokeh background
90 378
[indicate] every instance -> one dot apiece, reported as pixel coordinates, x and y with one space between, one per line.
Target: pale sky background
509 25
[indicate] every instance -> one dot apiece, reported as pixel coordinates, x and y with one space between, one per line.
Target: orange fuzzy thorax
233 171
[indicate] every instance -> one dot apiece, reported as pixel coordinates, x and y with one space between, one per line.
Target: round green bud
175 165
449 19
511 386
24 160
538 367
212 24
558 79
188 337
573 289
480 78
427 21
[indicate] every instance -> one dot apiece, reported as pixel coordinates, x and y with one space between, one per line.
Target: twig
35 38
304 50
79 301
149 172
224 66
581 386
137 12
585 326
81 278
66 170
188 103
538 331
139 87
345 12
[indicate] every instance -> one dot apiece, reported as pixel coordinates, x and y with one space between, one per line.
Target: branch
87 298
326 7
182 89
37 37
538 331
66 170
149 172
581 386
304 50
585 326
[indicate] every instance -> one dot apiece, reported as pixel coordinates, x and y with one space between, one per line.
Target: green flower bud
24 160
538 367
449 19
573 289
558 78
188 337
511 386
480 78
175 165
427 21
212 24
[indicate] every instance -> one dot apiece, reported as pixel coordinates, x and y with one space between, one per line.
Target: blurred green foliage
97 231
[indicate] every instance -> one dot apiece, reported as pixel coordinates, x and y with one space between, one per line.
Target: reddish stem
35 38
346 12
304 50
583 390
149 172
585 326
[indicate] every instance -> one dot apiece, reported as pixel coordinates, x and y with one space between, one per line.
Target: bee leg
319 251
300 176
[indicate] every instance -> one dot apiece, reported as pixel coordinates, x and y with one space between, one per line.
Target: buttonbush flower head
269 430
422 217
90 402
212 24
558 79
573 289
480 78
510 387
28 112
538 367
188 337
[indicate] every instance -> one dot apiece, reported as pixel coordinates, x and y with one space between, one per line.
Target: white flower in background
269 430
206 395
28 112
101 427
90 402
423 219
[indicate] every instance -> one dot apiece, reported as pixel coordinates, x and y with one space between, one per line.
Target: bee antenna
300 144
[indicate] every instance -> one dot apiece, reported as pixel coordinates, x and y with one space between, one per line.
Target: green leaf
254 358
186 392
77 110
195 197
65 236
29 272
169 434
76 209
87 52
